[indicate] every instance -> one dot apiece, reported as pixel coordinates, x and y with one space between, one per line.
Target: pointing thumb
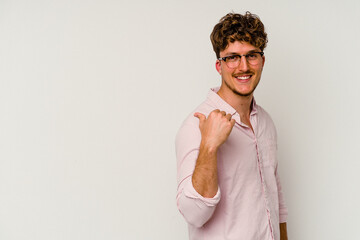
200 116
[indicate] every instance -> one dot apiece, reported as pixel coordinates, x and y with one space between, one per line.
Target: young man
228 183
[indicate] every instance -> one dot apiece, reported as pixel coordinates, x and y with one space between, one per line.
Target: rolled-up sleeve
283 212
196 209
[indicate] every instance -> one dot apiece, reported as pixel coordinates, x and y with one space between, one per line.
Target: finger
200 116
223 113
232 121
228 116
213 113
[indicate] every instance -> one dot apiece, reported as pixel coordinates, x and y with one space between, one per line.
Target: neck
242 104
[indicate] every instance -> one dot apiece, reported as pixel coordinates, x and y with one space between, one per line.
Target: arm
283 212
198 192
214 132
283 231
204 178
282 209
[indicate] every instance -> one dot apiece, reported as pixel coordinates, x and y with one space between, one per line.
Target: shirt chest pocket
268 154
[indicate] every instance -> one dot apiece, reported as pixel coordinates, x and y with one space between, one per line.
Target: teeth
243 77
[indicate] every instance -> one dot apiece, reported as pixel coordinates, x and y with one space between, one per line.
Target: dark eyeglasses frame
243 55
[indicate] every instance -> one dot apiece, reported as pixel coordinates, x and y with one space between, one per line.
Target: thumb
200 116
232 122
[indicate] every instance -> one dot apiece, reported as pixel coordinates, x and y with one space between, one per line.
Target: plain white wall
92 94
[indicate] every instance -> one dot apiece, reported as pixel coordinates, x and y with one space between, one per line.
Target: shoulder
189 129
264 115
265 122
205 108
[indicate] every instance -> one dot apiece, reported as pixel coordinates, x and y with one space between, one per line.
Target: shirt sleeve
196 209
283 212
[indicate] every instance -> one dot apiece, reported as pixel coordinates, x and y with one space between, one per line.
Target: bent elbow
195 212
198 223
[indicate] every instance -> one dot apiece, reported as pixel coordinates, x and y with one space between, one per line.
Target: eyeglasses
233 61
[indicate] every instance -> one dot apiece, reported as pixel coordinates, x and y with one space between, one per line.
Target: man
228 183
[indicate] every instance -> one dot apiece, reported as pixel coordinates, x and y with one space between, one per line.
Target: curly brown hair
236 27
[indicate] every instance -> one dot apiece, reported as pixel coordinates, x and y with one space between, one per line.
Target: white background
92 94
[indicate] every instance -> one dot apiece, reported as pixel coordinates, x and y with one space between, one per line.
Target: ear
263 57
218 66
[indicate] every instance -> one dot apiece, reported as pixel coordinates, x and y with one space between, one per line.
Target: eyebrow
235 53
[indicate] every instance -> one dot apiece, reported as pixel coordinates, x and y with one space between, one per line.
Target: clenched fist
215 129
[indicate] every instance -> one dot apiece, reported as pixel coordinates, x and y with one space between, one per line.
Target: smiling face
242 80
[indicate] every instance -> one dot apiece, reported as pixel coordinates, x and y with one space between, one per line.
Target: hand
215 129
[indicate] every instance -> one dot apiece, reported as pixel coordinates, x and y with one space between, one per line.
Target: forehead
238 48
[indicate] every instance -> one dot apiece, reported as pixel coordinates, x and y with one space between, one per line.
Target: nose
243 64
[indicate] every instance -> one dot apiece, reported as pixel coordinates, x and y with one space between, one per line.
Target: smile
243 77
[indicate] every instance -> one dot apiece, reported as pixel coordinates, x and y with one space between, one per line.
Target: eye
233 58
251 56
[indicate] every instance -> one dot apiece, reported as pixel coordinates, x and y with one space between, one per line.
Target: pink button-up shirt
249 204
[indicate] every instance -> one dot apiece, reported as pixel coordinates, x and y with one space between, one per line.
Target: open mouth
243 78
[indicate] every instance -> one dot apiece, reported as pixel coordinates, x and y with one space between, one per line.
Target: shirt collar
224 106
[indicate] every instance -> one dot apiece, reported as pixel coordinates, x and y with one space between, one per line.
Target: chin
243 93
